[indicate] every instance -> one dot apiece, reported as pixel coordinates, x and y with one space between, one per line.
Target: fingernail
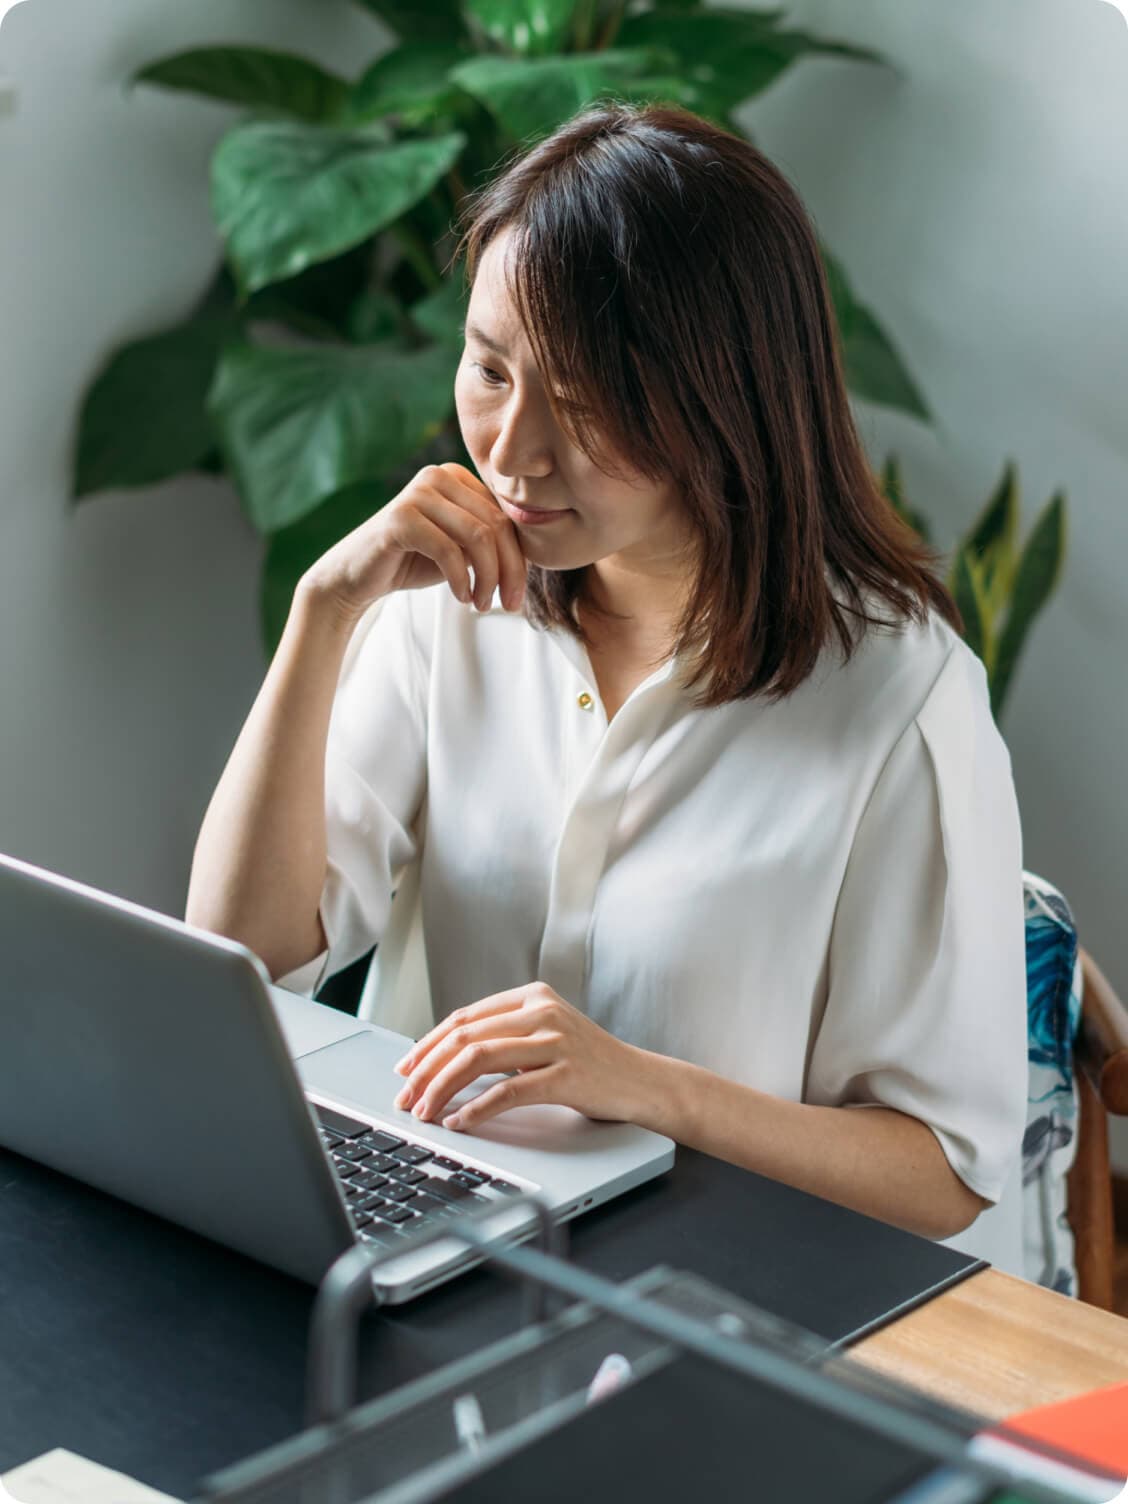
401 1065
404 1098
418 1110
454 1121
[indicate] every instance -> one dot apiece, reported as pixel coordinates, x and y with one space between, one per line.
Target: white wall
129 640
979 200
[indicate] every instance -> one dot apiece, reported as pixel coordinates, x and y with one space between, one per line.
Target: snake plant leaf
894 490
296 425
411 82
531 96
144 417
966 585
421 20
993 539
291 550
730 55
442 314
1036 578
529 28
286 195
874 369
278 82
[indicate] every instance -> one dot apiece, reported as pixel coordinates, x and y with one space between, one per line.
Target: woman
714 830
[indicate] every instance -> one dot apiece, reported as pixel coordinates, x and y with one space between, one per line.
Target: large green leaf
420 20
1037 576
144 417
993 537
291 550
287 195
528 27
276 81
297 425
730 55
410 82
530 97
966 586
874 370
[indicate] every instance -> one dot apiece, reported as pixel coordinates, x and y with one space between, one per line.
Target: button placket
585 837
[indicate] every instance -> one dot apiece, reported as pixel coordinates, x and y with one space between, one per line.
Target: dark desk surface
154 1351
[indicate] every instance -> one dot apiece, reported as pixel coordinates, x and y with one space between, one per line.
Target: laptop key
390 1213
329 1139
385 1142
428 1206
456 1194
361 1219
352 1189
400 1192
344 1167
414 1154
406 1175
371 1201
371 1180
470 1179
505 1187
445 1163
355 1151
384 1162
338 1122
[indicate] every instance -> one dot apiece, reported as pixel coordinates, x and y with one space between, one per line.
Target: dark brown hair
669 280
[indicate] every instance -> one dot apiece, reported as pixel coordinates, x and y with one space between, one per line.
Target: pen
469 1425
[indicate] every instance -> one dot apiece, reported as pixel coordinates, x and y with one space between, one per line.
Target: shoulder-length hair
669 280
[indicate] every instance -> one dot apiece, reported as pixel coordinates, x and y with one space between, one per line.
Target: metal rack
415 1444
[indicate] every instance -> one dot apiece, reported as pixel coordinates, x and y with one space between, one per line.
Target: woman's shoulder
898 667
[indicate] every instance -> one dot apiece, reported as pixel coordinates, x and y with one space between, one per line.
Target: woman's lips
529 516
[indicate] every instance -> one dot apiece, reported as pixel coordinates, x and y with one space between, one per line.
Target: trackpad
360 1071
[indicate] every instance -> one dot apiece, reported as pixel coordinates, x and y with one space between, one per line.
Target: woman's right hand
442 521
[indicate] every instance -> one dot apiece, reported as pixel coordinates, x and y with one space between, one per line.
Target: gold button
585 701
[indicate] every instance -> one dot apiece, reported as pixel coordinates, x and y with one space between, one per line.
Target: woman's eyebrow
473 332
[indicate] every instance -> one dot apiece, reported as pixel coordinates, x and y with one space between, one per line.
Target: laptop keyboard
394 1185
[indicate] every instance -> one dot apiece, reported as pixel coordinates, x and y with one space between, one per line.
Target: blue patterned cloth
1053 996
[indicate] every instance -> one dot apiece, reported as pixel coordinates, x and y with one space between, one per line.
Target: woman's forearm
260 859
875 1159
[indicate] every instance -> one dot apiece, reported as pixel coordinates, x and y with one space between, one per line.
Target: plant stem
416 253
609 32
583 20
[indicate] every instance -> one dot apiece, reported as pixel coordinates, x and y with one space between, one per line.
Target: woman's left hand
560 1056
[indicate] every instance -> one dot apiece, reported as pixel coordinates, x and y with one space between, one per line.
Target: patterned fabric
1053 995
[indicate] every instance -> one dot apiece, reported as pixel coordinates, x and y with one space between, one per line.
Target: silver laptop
158 1062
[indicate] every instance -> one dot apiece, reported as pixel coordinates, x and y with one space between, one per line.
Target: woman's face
523 455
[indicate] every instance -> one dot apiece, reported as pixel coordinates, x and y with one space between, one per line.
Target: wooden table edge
995 1344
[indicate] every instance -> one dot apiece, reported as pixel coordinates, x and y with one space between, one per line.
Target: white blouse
820 898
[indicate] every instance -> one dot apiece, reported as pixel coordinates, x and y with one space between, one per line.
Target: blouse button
584 701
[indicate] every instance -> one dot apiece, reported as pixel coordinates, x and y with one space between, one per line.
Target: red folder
1092 1426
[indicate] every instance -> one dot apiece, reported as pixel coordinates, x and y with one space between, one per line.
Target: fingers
494 546
526 1090
467 1043
487 1007
484 1058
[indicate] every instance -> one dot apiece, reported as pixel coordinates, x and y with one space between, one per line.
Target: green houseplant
317 370
999 584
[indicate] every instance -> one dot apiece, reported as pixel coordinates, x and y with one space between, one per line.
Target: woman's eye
485 372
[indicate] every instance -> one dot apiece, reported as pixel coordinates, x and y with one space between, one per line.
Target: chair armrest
1102 1040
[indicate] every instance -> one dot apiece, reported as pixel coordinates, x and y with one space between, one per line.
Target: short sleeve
375 781
926 1001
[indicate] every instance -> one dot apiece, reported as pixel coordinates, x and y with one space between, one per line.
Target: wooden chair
1101 1068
